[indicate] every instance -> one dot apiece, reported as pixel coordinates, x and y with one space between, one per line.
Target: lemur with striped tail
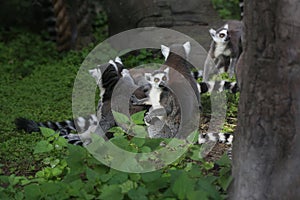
225 48
106 76
158 117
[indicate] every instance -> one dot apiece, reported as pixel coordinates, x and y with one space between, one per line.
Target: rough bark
266 150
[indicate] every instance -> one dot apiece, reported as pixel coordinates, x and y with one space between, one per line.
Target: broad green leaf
121 118
118 178
138 194
224 160
47 132
139 131
138 118
198 195
135 177
50 188
151 176
32 192
208 187
42 147
111 192
91 174
128 185
183 185
60 142
139 142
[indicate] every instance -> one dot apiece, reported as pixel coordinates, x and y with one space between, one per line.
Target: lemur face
221 35
158 79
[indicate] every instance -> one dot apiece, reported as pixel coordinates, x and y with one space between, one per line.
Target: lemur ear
212 32
167 70
95 73
118 60
187 47
148 76
125 72
226 26
113 64
165 51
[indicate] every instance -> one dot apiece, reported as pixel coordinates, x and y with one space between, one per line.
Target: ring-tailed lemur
180 64
161 118
106 76
225 49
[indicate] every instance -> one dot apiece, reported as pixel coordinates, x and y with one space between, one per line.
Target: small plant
227 9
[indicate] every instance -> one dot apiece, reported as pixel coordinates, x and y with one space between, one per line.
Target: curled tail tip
26 125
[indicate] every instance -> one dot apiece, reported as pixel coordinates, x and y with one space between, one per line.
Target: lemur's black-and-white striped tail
241 4
218 86
64 128
216 137
106 76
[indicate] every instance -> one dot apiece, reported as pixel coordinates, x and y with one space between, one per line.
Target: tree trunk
266 151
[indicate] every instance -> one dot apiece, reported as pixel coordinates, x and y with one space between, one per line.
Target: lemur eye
222 35
164 78
156 80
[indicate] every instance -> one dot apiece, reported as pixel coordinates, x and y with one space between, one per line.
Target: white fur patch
211 137
118 60
165 51
220 49
211 85
221 88
187 48
113 64
222 137
230 139
81 122
199 88
201 139
69 123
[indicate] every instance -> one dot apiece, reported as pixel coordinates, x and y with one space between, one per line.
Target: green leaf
60 142
198 195
118 178
47 132
208 187
138 194
224 160
111 192
138 118
151 176
182 184
127 186
91 174
139 131
145 149
32 192
139 142
42 147
135 177
121 118
50 188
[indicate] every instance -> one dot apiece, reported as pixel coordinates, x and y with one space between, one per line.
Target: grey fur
225 53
